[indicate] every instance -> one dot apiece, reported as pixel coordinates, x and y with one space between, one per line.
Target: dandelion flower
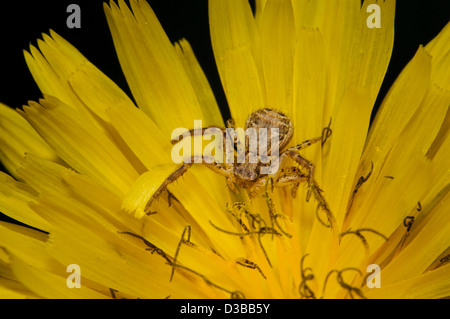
85 161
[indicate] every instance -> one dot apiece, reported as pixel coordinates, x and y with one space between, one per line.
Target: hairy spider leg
220 168
202 131
291 152
314 187
227 166
303 162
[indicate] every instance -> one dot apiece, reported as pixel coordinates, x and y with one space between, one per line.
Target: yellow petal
47 79
79 144
428 244
337 23
346 148
438 47
309 86
53 66
17 137
205 95
14 199
414 175
141 134
242 85
47 284
308 105
277 53
259 8
206 210
12 289
34 267
349 134
371 49
233 38
430 285
398 107
154 72
143 189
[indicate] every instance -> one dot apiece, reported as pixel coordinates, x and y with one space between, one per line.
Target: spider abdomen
270 118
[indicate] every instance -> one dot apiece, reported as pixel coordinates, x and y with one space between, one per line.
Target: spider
248 175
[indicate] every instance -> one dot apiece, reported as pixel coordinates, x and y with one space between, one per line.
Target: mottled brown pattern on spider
247 175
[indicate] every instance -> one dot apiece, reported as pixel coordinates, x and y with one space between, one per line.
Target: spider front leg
306 164
260 183
292 152
208 162
172 177
313 186
292 176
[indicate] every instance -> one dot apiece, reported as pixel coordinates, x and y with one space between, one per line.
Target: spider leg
230 183
305 144
172 177
260 183
231 123
294 178
223 169
199 131
291 152
306 164
313 186
219 168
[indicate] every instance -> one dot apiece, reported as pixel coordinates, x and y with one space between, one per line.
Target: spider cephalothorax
248 174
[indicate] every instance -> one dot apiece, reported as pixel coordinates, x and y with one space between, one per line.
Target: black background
21 23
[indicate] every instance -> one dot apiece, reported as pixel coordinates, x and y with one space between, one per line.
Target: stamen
269 181
419 206
113 293
170 196
250 264
263 230
408 222
233 294
440 261
350 289
324 205
320 219
326 280
326 132
237 295
303 289
445 259
272 211
152 248
237 216
360 236
187 230
359 183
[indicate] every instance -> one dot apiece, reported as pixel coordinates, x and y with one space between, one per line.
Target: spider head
246 174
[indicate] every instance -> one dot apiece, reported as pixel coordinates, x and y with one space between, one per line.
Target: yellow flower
85 162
